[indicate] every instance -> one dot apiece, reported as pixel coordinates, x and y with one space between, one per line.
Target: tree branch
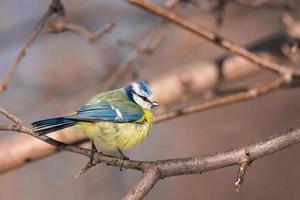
21 149
30 39
61 24
155 170
251 93
24 148
144 185
213 37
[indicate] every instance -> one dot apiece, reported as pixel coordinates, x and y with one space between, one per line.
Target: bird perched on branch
117 120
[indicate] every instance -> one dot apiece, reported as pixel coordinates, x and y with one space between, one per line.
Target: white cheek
141 102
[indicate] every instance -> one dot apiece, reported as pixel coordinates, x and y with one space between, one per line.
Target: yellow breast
148 117
112 136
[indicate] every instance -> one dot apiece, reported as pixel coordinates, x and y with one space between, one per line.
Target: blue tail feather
46 126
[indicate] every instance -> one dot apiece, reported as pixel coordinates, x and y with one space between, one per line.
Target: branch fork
59 24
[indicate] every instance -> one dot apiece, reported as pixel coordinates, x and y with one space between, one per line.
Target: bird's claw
122 158
91 163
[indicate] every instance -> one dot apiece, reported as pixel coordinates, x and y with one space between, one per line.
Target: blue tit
117 120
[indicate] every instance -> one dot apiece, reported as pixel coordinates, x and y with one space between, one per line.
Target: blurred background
62 71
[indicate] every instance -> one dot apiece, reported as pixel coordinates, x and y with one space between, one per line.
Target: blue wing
113 107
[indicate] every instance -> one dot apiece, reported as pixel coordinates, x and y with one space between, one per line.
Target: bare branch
196 78
213 37
201 164
13 118
219 11
202 76
62 24
144 185
92 37
234 98
30 39
180 166
22 149
19 127
155 170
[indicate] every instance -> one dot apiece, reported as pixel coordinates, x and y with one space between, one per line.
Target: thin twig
59 24
234 98
244 163
147 47
20 127
88 166
219 11
55 7
62 24
28 42
13 118
91 37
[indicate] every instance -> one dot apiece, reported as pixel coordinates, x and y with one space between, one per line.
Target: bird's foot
122 158
91 163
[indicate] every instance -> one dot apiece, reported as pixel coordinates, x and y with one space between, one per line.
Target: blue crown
144 86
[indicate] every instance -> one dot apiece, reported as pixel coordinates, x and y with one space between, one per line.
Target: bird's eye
144 98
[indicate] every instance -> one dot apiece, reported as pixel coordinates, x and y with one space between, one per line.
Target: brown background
62 71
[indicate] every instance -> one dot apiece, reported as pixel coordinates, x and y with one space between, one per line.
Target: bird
116 120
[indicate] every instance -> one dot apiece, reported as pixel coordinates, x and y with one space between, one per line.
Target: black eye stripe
142 97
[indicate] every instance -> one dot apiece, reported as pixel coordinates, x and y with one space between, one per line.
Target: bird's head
140 93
